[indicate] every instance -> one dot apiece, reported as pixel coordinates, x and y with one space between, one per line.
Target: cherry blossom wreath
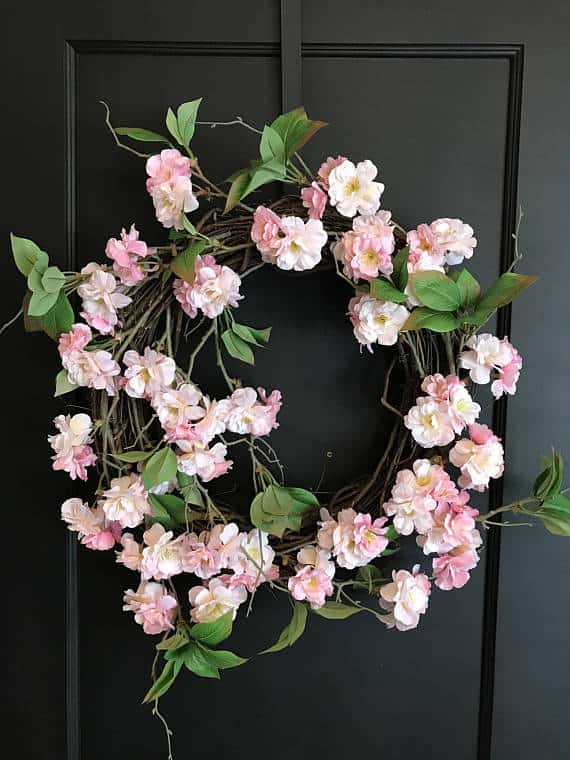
157 440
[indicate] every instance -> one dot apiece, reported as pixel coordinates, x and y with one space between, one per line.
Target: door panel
434 97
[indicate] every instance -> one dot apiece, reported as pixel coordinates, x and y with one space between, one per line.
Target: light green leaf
188 226
277 501
183 264
237 189
549 481
169 510
269 171
291 632
62 384
222 658
501 293
189 490
160 467
251 334
383 290
295 129
428 319
26 253
53 280
272 145
164 681
337 611
303 497
237 347
273 524
60 318
143 135
132 456
41 302
212 633
435 290
469 289
196 660
176 641
186 120
35 280
172 126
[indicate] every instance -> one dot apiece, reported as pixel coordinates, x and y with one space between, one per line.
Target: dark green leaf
501 292
143 135
435 290
295 129
196 659
169 510
382 289
251 334
160 467
303 497
269 171
400 264
549 481
60 318
237 347
164 681
237 189
428 319
212 633
368 576
468 287
291 632
62 384
337 611
183 264
53 280
26 253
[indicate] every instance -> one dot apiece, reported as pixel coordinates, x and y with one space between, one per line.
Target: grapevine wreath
156 440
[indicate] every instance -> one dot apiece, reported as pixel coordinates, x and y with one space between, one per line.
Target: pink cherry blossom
352 189
356 538
430 423
197 458
250 558
413 498
265 232
170 187
147 374
75 462
315 200
125 254
178 406
452 570
300 247
246 414
326 168
508 374
425 253
480 458
161 556
487 353
183 293
131 554
218 598
375 320
200 555
154 607
101 298
438 387
92 369
214 288
75 340
366 250
311 584
91 525
126 501
405 598
71 445
452 526
455 238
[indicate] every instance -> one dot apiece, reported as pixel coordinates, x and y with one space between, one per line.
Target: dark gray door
465 108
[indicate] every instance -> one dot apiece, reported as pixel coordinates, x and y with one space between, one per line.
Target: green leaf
237 347
196 660
172 126
435 290
295 129
222 658
251 334
382 289
189 490
164 681
188 226
272 524
160 467
277 501
41 302
303 497
169 510
31 324
60 318
429 319
237 190
132 456
501 292
272 145
368 576
337 611
279 508
183 264
35 279
469 289
26 253
291 632
143 135
212 633
400 264
186 120
53 280
172 643
549 481
62 384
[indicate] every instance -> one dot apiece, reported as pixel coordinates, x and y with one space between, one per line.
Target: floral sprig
157 440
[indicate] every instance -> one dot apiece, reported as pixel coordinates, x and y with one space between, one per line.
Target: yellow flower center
352 186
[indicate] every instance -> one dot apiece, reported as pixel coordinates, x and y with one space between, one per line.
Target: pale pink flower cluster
488 354
215 286
354 538
170 187
415 495
131 554
160 559
314 200
147 374
376 321
313 577
101 298
444 241
288 242
92 369
405 598
366 250
352 189
326 168
479 457
154 607
218 598
125 254
443 413
73 454
246 414
94 530
126 501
